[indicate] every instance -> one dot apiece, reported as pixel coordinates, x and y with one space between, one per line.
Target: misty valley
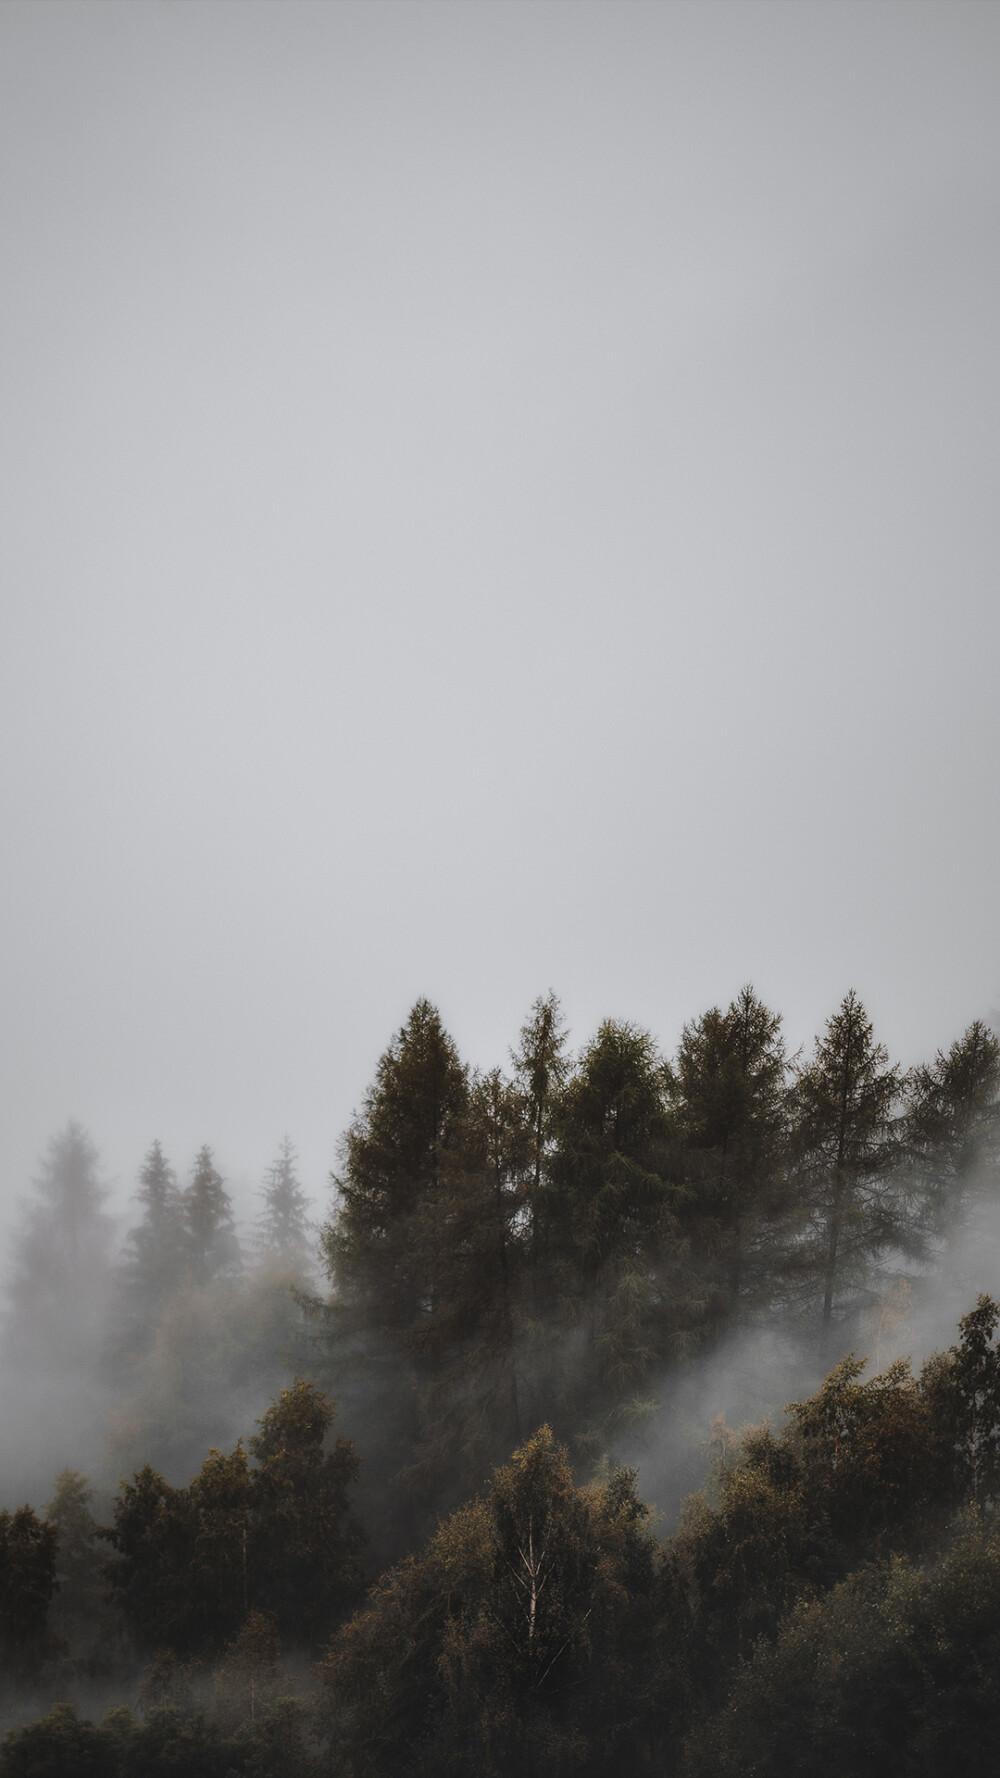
495 1472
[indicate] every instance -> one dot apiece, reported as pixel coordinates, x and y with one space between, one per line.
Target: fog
494 496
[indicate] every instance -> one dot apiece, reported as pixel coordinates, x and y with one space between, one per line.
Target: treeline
831 1601
546 1245
174 1340
520 1260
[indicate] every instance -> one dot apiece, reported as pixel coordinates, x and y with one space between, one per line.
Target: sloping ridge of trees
515 1262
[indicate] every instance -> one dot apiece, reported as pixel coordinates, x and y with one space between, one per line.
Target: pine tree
846 1144
394 1156
61 1257
953 1125
541 1066
615 1210
212 1245
155 1252
283 1228
80 1610
376 1251
727 1089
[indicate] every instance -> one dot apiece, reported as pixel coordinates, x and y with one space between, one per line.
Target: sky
494 496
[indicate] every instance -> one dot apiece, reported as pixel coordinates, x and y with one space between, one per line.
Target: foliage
193 1562
893 1671
27 1581
519 1641
846 1149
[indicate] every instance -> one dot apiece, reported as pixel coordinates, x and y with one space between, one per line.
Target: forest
438 1486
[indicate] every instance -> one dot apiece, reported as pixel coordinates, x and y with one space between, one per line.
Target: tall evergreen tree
616 1209
58 1283
394 1156
283 1228
541 1066
846 1143
384 1270
155 1251
727 1089
953 1125
471 1346
212 1244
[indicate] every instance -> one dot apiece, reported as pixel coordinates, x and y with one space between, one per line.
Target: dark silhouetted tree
727 1089
846 1145
953 1126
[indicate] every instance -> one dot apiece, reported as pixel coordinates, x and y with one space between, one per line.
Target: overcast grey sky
495 496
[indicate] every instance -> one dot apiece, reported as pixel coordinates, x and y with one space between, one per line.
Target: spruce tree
213 1249
394 1156
155 1252
541 1066
727 1089
282 1230
386 1288
58 1284
614 1210
846 1143
953 1126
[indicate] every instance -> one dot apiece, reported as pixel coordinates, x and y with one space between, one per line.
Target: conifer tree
394 1156
953 1125
155 1252
615 1209
846 1144
283 1228
212 1244
727 1089
80 1609
386 1289
541 1066
58 1285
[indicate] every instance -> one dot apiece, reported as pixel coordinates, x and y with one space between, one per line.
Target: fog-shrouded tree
28 1546
58 1283
614 1212
154 1258
394 1154
283 1232
727 1089
81 1608
953 1126
518 1641
375 1250
541 1066
212 1244
472 1345
846 1143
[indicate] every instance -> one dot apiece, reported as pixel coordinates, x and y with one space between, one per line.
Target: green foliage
27 1581
953 1125
727 1093
893 1671
57 1745
520 1641
193 1562
81 1609
304 1546
846 1147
